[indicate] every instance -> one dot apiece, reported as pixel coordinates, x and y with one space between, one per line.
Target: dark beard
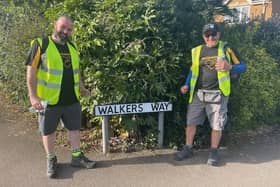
61 37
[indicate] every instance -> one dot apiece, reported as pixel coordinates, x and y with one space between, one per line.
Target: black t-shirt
208 78
67 93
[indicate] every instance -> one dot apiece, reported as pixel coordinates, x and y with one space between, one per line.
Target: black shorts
69 114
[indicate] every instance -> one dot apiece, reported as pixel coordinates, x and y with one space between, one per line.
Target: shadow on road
250 150
65 171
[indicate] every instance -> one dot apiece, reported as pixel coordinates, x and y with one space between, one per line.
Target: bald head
62 29
64 17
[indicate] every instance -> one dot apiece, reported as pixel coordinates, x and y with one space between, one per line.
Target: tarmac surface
254 161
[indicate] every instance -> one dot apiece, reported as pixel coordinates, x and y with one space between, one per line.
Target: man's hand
184 89
222 66
84 92
36 103
31 81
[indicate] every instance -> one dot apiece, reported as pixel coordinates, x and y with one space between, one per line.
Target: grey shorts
69 114
216 113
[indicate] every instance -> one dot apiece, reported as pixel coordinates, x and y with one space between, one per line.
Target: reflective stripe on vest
50 72
223 76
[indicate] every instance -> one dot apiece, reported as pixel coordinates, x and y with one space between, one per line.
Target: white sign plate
131 108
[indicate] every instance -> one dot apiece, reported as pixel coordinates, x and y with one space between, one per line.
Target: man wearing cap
209 83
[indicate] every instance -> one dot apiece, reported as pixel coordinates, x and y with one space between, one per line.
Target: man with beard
54 86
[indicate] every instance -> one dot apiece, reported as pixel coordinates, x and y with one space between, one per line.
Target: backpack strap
72 44
225 47
45 43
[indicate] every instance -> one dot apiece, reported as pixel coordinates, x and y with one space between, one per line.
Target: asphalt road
254 161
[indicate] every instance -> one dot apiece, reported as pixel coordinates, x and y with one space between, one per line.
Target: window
258 1
241 15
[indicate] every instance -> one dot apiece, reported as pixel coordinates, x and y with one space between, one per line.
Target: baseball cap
210 27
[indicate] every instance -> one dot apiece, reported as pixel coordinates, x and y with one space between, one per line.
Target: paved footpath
22 161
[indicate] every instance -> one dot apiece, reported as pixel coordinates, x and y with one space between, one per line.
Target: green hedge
19 24
139 51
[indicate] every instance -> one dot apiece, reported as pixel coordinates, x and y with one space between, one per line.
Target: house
276 7
247 10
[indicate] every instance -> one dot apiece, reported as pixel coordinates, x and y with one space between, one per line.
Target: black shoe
213 159
82 162
186 152
52 167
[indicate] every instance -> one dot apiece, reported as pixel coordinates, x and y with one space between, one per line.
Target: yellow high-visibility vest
223 76
50 72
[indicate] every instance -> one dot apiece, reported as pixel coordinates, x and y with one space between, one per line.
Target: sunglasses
213 34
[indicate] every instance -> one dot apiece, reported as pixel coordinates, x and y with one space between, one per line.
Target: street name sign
131 108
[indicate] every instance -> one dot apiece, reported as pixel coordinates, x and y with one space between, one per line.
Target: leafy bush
255 100
19 24
268 35
139 51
